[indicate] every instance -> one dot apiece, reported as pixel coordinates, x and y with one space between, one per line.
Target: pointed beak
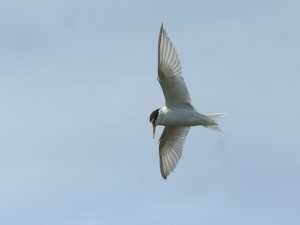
153 129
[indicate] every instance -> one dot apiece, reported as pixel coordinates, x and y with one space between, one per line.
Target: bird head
153 118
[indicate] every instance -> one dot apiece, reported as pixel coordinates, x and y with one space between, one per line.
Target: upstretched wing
169 74
170 148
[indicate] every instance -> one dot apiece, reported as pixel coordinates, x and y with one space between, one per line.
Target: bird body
178 114
182 117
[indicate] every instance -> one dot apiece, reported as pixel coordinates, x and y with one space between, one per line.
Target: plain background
77 86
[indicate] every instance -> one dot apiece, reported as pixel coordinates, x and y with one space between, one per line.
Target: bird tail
215 117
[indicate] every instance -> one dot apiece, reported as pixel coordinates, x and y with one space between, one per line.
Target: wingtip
163 175
161 27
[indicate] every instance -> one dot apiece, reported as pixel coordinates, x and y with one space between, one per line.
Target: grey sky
77 85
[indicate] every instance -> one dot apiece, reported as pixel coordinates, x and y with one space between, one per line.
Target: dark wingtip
164 176
161 29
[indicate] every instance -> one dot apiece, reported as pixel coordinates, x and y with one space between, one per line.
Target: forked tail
215 117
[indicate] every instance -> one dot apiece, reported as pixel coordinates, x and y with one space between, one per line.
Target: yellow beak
153 129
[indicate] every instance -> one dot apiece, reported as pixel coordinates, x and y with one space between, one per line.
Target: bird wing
170 148
169 74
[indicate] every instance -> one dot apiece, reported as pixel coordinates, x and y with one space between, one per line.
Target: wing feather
170 75
170 148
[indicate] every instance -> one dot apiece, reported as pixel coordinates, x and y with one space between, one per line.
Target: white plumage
178 114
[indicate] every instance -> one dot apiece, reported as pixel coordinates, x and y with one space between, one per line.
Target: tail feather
215 117
215 128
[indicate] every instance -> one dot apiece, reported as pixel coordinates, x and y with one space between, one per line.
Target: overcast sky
77 86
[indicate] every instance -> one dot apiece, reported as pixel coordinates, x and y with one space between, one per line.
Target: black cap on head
154 115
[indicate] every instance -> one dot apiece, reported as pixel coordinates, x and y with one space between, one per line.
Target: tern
178 114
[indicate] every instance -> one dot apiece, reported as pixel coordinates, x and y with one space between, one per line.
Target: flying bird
178 114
